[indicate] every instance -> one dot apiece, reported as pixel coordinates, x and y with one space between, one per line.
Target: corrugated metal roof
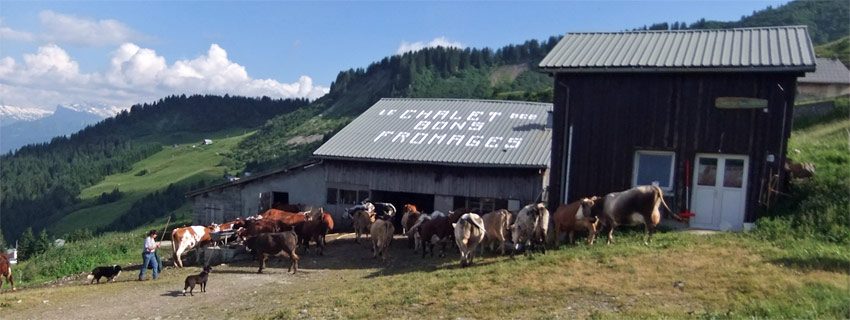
828 71
774 49
476 133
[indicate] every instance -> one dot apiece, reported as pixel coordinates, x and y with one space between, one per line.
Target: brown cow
381 233
183 239
314 229
575 217
411 214
497 227
274 244
362 222
6 271
436 230
638 205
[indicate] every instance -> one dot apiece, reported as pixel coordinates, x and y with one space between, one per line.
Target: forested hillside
827 20
507 73
42 182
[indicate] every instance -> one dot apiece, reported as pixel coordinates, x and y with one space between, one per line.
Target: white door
720 183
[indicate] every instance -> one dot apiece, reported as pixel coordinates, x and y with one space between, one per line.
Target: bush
141 173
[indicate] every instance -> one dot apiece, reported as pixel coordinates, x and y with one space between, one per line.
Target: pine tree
26 244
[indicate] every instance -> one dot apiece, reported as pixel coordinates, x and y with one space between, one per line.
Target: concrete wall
818 91
217 206
305 186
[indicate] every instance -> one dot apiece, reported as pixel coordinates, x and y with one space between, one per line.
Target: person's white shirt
150 244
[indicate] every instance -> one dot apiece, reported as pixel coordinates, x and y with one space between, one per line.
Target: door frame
721 157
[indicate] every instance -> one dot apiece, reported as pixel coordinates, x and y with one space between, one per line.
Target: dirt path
235 290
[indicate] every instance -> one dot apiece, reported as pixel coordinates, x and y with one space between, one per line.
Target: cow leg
262 262
293 262
320 243
610 235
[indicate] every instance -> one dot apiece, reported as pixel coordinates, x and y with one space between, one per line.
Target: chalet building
704 114
439 154
831 79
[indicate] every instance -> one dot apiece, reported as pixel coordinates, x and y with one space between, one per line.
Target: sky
123 53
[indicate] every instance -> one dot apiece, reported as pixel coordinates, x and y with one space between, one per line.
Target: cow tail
659 194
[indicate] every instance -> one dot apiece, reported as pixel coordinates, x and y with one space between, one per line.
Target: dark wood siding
613 115
502 183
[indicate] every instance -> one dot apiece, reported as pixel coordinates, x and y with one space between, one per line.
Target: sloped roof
766 49
828 71
455 132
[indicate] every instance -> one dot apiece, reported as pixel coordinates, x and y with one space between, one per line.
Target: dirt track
235 290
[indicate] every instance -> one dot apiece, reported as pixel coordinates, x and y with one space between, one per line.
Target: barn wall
216 206
504 183
816 91
613 115
305 186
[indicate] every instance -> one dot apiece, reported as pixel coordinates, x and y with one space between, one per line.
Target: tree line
826 20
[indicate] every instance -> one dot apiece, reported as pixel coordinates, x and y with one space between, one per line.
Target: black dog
197 279
109 272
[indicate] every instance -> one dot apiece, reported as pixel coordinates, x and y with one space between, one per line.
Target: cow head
585 211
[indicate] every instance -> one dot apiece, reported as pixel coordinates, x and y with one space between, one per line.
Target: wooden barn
704 114
441 154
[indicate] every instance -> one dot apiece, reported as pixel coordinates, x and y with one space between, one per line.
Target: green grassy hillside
180 163
839 49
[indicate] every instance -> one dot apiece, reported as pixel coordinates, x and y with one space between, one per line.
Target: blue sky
48 46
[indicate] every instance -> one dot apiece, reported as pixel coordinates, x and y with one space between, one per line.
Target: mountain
12 114
64 121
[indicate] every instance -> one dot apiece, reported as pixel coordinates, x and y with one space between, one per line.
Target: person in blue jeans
149 256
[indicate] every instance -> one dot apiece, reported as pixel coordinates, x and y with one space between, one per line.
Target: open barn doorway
423 202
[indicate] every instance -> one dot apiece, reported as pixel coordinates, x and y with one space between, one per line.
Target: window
485 205
343 196
739 103
654 167
332 196
348 196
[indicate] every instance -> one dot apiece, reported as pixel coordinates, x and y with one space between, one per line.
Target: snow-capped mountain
99 109
65 120
11 114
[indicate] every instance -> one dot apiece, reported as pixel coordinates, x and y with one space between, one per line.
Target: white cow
530 228
183 239
469 232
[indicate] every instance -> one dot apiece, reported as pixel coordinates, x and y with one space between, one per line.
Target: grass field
186 162
681 275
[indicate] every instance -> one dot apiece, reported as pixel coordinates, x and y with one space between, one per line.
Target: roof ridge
688 30
469 100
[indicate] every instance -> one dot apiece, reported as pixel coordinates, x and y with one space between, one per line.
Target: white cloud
7 34
436 42
50 77
62 28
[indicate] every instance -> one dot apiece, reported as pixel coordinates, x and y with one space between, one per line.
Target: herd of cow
280 232
501 230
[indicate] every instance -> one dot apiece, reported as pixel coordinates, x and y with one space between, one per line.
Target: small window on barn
654 167
362 195
739 103
348 196
332 196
